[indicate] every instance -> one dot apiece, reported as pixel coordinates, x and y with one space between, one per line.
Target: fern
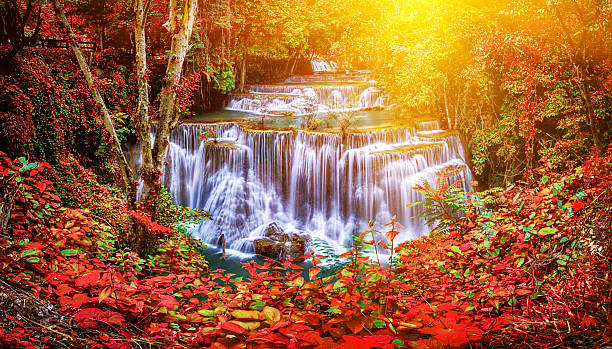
446 204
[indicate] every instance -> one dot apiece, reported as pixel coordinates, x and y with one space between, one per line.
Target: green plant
178 217
445 204
344 118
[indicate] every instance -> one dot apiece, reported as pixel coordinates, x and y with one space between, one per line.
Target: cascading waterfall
321 184
307 94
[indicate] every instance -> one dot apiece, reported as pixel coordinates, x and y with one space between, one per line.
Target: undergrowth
530 270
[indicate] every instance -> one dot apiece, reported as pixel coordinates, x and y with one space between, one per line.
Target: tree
181 28
126 173
15 23
153 155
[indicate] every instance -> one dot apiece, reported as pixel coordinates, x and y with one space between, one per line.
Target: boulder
268 248
277 243
298 247
274 232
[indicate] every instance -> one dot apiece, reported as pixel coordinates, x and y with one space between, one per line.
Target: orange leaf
355 325
313 272
391 234
382 244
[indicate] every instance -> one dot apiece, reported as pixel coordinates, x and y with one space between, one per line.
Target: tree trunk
126 172
448 119
243 73
168 117
295 59
588 104
144 120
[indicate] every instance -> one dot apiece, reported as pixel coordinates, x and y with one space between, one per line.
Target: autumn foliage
533 271
526 83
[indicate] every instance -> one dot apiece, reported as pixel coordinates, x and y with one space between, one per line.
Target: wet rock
268 248
277 243
274 232
298 246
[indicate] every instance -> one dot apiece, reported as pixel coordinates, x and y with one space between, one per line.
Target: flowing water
319 93
325 185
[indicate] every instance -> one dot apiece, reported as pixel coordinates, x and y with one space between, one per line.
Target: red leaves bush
532 271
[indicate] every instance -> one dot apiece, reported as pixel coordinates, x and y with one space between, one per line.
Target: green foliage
221 73
178 217
333 261
444 204
124 126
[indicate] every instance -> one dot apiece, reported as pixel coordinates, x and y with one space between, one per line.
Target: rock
274 232
298 247
277 243
268 248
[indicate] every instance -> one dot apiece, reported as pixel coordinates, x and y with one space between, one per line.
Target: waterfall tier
324 185
291 99
310 94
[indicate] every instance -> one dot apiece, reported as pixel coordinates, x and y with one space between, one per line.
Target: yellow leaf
104 294
271 314
246 314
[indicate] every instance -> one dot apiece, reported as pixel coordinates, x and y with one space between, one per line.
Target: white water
324 185
323 66
301 95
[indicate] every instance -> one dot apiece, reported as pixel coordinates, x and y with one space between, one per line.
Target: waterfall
323 66
319 93
321 184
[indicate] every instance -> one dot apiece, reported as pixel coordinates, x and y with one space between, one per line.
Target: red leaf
40 185
577 206
168 301
75 301
63 289
65 300
78 299
391 234
311 337
88 279
232 327
313 272
111 318
279 324
375 341
86 317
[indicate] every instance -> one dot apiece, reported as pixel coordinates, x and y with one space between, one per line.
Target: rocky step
407 148
437 134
